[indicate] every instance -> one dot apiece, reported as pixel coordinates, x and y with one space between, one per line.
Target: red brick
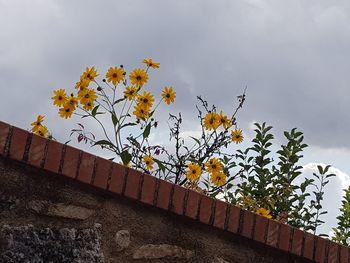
320 254
148 189
344 254
117 178
297 242
86 167
103 168
37 151
284 239
164 194
247 224
333 252
4 131
192 204
233 219
178 200
260 229
18 143
53 156
308 246
205 210
133 184
70 162
273 233
220 214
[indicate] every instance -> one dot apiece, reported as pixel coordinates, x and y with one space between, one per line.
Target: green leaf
196 140
94 111
104 142
160 165
119 100
128 124
147 131
126 157
114 119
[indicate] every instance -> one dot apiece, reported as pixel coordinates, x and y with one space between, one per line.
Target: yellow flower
38 123
214 165
138 77
151 63
141 112
263 212
168 95
90 74
193 172
59 98
218 179
87 96
130 93
148 161
146 99
224 121
82 83
237 136
42 131
73 101
115 75
211 121
89 106
66 111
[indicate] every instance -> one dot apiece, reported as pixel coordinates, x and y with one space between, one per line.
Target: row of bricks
55 157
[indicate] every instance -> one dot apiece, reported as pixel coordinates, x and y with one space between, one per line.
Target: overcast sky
292 55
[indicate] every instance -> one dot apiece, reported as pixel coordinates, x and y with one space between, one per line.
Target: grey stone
60 210
8 202
38 206
161 251
219 260
39 245
122 239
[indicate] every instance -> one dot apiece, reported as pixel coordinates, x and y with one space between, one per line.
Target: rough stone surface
219 260
60 210
41 245
122 239
7 202
162 251
26 195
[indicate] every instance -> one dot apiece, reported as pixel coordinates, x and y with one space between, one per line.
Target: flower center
114 75
138 77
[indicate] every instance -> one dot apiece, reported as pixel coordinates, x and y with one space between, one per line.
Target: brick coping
51 156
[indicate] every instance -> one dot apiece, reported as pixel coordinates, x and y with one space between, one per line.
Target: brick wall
126 215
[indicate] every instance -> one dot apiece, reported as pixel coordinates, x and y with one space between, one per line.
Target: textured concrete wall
48 218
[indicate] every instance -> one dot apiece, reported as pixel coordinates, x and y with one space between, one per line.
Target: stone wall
61 204
45 217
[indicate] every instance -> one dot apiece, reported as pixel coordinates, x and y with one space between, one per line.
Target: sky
293 57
